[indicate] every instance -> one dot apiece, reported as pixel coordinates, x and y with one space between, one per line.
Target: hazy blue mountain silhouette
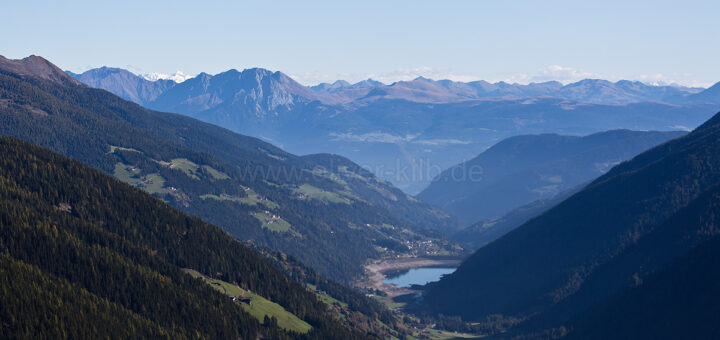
408 131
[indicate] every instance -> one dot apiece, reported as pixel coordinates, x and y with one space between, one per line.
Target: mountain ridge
124 83
427 90
38 67
526 168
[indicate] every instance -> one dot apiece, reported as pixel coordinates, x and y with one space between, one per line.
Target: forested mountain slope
523 169
681 301
381 193
610 236
83 255
250 188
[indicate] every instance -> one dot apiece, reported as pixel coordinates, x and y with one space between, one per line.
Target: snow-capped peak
178 77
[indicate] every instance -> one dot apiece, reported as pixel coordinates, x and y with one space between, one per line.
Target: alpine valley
245 205
85 255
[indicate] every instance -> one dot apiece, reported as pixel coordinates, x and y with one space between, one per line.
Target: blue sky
316 41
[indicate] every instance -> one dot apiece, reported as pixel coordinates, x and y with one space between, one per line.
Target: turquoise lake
419 276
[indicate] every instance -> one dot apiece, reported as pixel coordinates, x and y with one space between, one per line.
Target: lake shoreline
376 271
418 276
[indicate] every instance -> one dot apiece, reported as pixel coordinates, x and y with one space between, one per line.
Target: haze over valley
409 131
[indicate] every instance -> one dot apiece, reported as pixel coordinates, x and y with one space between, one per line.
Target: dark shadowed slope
606 238
681 301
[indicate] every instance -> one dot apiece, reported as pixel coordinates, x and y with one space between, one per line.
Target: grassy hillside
86 256
259 307
363 184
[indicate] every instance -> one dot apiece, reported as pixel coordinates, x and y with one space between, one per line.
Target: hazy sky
314 41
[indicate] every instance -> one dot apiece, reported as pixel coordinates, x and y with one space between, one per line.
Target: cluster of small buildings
273 216
242 299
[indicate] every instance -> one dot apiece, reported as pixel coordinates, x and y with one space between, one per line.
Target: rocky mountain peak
37 67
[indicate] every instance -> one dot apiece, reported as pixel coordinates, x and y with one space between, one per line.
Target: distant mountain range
177 77
424 90
124 84
633 252
594 91
523 169
408 131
